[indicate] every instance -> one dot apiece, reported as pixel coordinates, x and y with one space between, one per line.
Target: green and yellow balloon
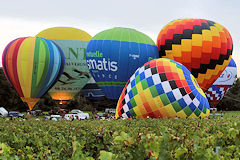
73 42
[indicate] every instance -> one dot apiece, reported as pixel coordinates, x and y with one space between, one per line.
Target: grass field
232 113
214 138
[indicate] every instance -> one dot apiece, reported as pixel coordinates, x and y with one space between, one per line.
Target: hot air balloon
113 56
32 65
76 74
91 90
203 46
162 88
220 87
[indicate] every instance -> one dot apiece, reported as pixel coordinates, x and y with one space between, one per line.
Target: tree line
10 100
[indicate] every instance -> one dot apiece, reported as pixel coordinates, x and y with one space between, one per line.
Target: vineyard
214 138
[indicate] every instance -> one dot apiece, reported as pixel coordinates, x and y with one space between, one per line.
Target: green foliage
104 155
215 138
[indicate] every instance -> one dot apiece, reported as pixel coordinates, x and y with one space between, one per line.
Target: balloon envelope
203 46
32 65
162 88
113 56
76 74
224 82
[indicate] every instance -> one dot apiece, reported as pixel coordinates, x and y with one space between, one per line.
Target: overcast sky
20 18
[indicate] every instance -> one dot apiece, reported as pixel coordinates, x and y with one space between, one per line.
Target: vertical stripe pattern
32 65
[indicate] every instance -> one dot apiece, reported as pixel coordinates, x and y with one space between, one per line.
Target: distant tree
46 103
231 101
9 98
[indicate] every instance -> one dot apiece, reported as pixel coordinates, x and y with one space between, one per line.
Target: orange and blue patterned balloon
162 88
32 65
221 86
203 46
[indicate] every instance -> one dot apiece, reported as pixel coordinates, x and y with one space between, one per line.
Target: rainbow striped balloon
32 65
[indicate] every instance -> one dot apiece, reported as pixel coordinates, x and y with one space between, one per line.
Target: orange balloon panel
203 46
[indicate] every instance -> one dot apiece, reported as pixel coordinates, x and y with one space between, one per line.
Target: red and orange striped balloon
203 46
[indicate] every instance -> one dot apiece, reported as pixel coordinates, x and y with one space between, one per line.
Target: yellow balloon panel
65 33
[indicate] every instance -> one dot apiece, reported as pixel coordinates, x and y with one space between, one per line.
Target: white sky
20 18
